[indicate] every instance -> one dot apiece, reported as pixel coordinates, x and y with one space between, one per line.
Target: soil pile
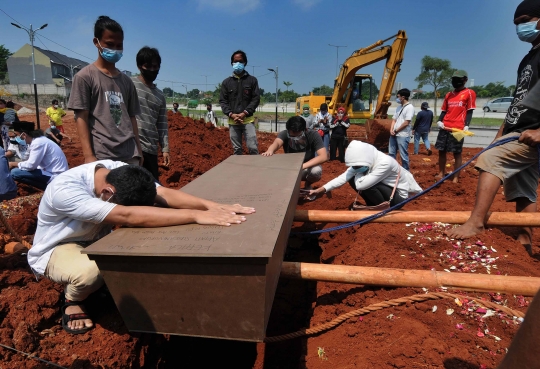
437 334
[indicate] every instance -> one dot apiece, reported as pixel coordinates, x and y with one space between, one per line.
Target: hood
360 154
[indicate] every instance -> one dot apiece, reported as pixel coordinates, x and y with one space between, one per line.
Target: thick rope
401 204
385 304
15 235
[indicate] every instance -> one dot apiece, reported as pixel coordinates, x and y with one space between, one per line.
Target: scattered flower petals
481 311
488 314
449 311
480 334
458 302
361 319
459 326
434 308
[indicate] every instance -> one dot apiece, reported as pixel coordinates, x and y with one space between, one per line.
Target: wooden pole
526 286
453 217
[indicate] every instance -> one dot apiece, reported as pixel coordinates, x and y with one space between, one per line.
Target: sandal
71 317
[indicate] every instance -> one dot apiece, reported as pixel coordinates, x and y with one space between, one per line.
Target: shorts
516 165
447 142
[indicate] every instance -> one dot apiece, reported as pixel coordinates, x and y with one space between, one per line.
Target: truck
348 86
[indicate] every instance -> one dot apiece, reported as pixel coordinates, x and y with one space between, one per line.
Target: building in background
51 67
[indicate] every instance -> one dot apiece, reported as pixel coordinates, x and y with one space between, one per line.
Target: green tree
323 90
4 55
287 84
194 94
168 92
437 73
364 90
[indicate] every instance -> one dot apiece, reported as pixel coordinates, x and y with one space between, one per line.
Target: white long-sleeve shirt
382 169
45 155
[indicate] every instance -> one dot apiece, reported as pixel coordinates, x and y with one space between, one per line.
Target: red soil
410 336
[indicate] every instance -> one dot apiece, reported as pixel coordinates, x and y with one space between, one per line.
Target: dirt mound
378 133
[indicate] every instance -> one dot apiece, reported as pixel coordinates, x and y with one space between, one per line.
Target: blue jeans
33 177
424 137
237 131
401 143
326 142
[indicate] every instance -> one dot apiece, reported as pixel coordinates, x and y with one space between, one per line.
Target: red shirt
456 105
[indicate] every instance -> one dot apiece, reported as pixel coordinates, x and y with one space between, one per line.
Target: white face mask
110 197
56 106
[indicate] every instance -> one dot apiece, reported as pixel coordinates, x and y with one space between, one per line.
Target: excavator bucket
378 132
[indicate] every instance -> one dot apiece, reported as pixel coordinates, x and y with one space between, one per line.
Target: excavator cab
358 98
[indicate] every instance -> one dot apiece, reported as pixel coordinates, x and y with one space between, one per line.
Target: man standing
105 101
323 119
513 164
421 128
239 98
152 121
400 131
83 205
210 115
175 109
309 118
457 110
55 114
45 158
297 138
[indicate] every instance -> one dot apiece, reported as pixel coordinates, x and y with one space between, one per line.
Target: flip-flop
71 317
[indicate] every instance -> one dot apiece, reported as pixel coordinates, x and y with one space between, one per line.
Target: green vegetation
435 72
4 55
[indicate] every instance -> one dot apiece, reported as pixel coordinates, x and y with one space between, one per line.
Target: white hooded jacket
382 168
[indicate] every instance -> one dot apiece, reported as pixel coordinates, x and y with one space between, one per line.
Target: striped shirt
152 121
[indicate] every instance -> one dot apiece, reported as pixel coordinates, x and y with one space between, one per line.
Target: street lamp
337 57
276 75
206 83
31 32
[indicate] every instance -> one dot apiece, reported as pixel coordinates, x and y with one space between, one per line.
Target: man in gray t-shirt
105 102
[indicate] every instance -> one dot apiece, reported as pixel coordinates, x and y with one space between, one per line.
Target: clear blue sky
196 37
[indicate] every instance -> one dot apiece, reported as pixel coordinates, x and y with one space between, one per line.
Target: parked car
500 104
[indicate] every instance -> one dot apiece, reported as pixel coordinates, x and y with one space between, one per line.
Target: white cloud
306 4
230 6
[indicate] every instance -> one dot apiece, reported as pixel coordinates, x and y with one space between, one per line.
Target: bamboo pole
526 286
453 217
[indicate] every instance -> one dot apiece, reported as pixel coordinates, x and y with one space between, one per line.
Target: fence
28 89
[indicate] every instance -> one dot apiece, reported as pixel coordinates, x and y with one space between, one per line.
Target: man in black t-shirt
296 138
513 164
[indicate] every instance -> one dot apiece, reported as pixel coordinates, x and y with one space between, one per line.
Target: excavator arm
367 56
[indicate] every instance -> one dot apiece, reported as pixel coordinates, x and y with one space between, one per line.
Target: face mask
398 100
13 140
175 109
238 67
527 32
323 112
56 106
340 115
457 83
361 169
297 143
110 55
20 141
149 75
306 113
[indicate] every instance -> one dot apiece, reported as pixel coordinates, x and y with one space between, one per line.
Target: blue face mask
238 67
527 31
20 141
398 100
110 55
361 169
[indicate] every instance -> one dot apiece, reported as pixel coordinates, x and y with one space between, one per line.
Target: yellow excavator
348 84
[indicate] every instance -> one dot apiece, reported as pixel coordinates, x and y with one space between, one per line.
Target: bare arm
137 140
81 121
276 145
317 160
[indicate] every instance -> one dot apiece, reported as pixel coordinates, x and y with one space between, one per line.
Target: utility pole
276 75
187 101
172 88
254 66
337 57
206 83
31 32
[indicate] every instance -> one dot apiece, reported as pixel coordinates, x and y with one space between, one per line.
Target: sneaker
429 152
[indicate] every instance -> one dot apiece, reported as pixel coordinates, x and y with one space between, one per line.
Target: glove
466 128
440 124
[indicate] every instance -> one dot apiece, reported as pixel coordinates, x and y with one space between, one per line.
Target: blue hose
370 218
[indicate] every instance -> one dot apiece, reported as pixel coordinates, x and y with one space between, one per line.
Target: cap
23 126
460 73
305 106
425 105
